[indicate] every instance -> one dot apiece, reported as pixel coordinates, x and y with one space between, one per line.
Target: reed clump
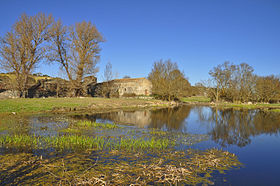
86 123
83 142
20 141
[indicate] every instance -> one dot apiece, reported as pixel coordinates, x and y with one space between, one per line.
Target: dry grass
192 168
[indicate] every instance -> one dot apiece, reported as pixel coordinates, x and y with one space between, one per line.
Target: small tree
107 78
23 48
168 81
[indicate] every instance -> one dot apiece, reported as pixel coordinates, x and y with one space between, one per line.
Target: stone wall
123 88
41 86
55 87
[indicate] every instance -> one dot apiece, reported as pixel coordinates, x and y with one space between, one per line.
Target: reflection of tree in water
171 118
141 118
14 124
235 127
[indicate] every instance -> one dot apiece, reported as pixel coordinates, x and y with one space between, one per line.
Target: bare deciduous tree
232 82
268 89
77 49
107 77
23 47
168 81
221 76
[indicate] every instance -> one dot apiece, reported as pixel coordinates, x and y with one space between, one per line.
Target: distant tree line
228 82
238 83
39 38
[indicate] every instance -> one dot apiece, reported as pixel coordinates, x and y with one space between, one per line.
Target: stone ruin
43 87
128 87
57 87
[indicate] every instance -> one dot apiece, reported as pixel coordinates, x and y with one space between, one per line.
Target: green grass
94 124
249 106
275 110
82 142
20 141
195 99
80 126
71 130
202 99
157 132
39 104
21 105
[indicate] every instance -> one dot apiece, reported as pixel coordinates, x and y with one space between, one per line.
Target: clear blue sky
197 34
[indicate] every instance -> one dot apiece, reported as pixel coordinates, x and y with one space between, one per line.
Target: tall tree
246 80
168 81
23 47
221 77
232 82
268 89
77 49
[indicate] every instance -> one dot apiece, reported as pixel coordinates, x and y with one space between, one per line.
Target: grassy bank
71 104
205 100
249 106
196 99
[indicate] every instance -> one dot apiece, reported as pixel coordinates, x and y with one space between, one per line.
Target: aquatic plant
157 132
75 142
86 123
178 168
20 141
140 143
83 142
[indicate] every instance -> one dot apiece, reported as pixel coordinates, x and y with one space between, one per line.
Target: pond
121 145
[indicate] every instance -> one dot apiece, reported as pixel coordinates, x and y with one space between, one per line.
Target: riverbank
37 105
89 104
201 100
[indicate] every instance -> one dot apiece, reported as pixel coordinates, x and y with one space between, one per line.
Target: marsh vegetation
147 147
58 149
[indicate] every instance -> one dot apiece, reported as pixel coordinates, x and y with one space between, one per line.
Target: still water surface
253 135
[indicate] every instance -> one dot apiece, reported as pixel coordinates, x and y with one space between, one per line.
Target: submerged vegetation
84 152
94 124
116 168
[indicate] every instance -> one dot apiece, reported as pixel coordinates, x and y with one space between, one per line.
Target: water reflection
39 125
169 118
225 126
238 126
